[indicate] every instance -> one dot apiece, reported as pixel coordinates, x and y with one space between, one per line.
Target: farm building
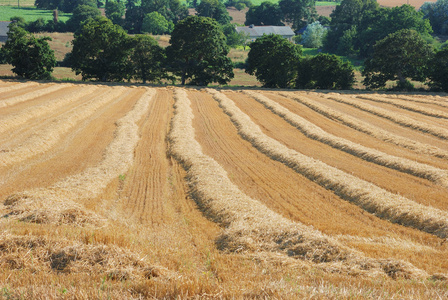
4 31
255 32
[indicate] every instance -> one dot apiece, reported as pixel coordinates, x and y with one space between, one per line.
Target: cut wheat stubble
249 225
312 131
369 129
17 86
368 196
32 95
58 203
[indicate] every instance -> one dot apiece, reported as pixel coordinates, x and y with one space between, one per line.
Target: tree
437 14
213 9
266 13
155 23
313 35
147 59
324 71
81 14
100 51
298 12
438 70
172 10
400 55
234 38
133 21
115 11
198 51
273 60
30 57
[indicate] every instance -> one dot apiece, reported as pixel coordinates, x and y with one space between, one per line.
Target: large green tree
155 23
324 71
399 56
30 57
438 70
147 59
198 52
298 12
172 10
437 14
81 14
267 13
100 51
273 60
115 11
213 9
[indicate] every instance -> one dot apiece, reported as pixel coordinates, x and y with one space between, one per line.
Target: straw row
394 117
250 225
32 95
368 196
434 100
49 136
17 86
369 129
314 132
51 205
405 105
24 115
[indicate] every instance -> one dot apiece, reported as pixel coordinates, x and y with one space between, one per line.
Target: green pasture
29 13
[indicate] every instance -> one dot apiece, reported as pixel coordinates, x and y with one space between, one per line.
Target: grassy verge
29 13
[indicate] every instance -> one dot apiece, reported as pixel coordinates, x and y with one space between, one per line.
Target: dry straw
394 117
17 86
48 136
369 129
370 197
405 105
56 204
250 225
312 131
17 119
49 88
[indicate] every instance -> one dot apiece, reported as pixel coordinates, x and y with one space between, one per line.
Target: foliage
437 14
100 51
133 21
30 57
172 10
298 12
81 14
438 70
314 35
400 55
233 38
213 9
155 23
273 60
115 11
198 51
267 13
324 71
147 59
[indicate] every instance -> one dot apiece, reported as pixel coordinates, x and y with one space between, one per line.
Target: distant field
392 3
29 13
17 2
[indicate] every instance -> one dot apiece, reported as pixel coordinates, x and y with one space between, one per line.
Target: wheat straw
24 115
394 117
250 225
47 137
370 197
32 95
17 86
371 130
51 205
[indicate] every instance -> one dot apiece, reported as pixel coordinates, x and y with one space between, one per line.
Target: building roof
255 31
4 28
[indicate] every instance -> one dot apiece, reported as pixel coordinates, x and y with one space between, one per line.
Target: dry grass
17 86
312 131
368 128
394 117
49 88
368 196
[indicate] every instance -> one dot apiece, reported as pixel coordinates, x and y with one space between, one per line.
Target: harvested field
120 191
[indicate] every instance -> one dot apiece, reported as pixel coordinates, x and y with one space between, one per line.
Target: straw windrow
56 204
24 115
369 129
47 137
250 225
312 131
32 95
17 86
370 197
394 117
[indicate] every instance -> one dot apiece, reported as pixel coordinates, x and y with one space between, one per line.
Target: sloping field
135 192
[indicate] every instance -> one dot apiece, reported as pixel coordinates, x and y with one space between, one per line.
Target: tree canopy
437 14
314 35
298 12
400 55
213 9
30 57
155 23
115 11
273 60
438 71
198 52
267 13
